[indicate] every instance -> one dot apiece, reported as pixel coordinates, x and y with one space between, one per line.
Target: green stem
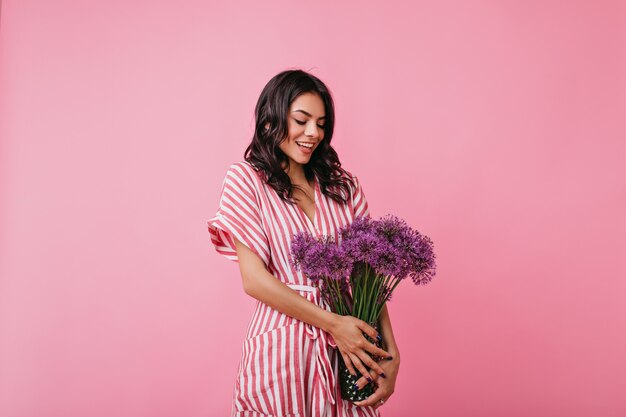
372 296
339 297
361 286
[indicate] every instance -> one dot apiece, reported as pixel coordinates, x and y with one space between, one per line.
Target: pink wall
496 128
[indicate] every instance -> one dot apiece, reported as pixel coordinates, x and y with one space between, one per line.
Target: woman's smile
306 147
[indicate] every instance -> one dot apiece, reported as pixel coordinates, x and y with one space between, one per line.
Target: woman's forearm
387 333
268 289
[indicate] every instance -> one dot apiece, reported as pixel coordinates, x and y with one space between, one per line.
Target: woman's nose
311 130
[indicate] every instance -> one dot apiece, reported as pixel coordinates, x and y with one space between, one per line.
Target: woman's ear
267 125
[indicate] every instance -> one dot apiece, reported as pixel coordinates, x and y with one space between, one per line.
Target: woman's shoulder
246 171
242 166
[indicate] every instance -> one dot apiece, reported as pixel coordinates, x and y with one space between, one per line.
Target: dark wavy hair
264 154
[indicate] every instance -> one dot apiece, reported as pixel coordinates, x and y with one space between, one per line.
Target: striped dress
288 367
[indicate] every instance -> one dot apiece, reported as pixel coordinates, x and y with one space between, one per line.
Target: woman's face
305 123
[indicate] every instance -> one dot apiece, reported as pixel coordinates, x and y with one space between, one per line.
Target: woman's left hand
385 386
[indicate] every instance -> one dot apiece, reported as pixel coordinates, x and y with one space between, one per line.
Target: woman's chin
302 159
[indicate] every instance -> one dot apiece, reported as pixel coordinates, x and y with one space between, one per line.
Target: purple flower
320 257
422 266
364 247
300 245
390 246
338 264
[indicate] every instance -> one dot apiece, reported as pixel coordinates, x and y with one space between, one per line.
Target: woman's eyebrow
307 113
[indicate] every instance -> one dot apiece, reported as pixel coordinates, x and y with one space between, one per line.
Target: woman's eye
300 122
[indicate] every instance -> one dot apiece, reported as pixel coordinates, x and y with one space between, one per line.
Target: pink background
496 128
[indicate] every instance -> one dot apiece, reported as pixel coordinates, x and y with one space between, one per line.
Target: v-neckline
303 213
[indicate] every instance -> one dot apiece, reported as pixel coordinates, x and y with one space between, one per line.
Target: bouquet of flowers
358 273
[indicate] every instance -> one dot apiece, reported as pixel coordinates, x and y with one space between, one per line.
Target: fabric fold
322 339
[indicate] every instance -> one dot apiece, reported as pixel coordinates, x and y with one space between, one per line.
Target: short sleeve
239 215
359 202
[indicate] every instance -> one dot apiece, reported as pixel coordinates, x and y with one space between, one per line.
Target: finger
371 347
371 363
348 362
379 404
375 350
369 330
364 380
359 364
372 399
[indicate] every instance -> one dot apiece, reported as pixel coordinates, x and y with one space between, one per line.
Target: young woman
291 180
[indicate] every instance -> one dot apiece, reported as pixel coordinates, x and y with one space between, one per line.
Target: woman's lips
305 149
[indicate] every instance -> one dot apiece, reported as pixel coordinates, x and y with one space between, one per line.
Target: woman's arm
386 385
389 342
346 330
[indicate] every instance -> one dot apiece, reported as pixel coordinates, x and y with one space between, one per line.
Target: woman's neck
296 173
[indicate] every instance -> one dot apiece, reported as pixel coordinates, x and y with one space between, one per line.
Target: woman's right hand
347 331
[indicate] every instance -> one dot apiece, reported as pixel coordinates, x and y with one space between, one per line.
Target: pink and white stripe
287 367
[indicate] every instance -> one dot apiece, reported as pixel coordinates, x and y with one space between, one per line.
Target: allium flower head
390 246
391 228
338 265
358 227
301 244
319 257
422 263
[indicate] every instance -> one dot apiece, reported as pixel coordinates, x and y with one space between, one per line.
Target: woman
291 181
